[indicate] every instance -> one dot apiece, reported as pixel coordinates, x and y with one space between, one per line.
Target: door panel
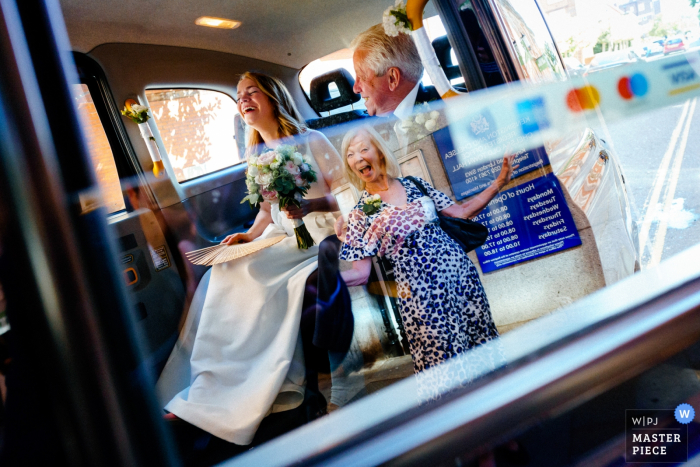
153 281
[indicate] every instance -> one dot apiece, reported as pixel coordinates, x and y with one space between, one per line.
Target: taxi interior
126 289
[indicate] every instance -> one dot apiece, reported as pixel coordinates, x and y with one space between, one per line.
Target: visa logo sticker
682 77
683 73
533 115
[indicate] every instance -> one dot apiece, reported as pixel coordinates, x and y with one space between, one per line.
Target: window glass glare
531 42
99 149
197 130
4 322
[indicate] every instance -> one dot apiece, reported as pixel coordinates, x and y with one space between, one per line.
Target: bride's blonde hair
390 161
290 120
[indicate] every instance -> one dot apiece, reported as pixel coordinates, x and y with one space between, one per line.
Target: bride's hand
294 212
233 239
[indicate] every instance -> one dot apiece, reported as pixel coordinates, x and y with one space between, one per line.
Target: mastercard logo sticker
585 98
633 86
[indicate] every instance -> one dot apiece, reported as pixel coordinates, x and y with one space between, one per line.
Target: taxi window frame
499 25
448 11
90 73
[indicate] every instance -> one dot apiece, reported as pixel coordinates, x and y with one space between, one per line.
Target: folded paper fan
223 253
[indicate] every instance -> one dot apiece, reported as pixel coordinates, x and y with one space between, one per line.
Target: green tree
571 47
693 3
659 29
603 42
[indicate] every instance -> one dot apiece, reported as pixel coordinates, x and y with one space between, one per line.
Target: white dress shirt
405 108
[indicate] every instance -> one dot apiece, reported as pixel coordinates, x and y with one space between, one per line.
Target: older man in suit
388 72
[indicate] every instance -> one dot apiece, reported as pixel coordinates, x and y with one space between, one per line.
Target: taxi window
562 226
197 129
531 43
343 59
100 151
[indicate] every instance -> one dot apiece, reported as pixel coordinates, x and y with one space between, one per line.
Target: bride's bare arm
331 174
262 220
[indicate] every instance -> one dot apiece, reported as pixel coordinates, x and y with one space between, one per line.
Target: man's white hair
383 52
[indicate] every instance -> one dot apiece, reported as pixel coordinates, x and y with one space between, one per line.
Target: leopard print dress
442 302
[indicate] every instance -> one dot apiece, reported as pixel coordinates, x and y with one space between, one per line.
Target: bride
239 357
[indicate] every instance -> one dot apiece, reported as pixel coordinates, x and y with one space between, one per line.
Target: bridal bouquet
281 176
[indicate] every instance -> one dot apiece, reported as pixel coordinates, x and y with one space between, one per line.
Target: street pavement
660 156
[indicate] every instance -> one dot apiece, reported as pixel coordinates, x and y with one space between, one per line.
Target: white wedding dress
239 355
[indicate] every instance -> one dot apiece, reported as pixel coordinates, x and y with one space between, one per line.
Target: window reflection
99 149
531 41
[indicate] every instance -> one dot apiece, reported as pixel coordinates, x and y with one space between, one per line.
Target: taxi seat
482 50
323 100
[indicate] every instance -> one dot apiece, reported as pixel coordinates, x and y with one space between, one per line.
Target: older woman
442 303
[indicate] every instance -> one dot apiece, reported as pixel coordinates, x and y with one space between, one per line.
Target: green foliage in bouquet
281 176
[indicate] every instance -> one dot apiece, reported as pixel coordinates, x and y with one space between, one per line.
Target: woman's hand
472 207
340 228
233 239
506 171
297 212
359 274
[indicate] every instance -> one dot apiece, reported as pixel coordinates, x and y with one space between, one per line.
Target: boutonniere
372 205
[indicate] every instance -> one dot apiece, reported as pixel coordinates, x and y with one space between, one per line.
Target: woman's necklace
378 190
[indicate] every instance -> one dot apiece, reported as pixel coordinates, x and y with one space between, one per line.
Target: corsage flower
372 205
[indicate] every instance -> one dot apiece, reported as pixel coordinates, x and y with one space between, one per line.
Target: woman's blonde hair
390 162
290 120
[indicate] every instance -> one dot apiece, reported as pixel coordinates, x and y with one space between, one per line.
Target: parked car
676 44
694 45
573 66
606 60
654 49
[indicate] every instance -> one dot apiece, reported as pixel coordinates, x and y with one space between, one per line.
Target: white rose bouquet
139 115
281 176
136 113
